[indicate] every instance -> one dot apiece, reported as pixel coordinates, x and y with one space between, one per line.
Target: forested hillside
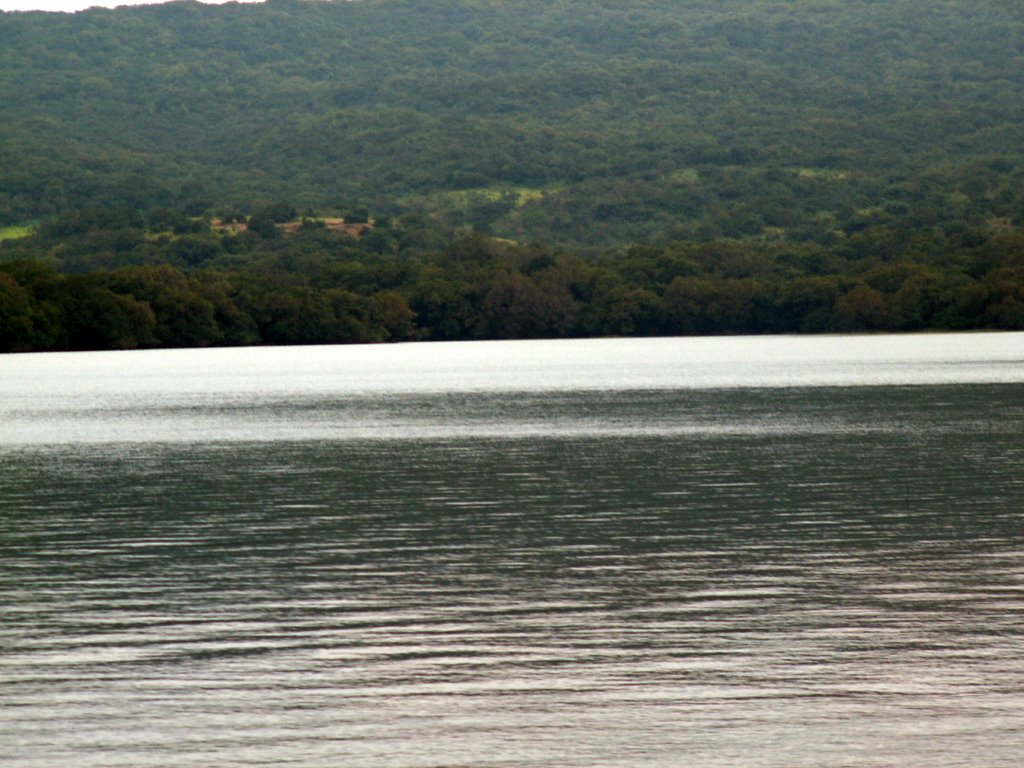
573 121
177 174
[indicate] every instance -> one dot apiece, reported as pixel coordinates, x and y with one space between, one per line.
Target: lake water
788 552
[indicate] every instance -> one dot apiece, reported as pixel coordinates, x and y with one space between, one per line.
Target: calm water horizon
794 552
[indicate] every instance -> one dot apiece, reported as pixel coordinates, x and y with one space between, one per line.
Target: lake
796 552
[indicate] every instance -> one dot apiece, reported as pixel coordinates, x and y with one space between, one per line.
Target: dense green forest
108 279
572 121
565 168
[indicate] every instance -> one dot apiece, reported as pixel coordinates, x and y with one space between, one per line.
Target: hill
577 122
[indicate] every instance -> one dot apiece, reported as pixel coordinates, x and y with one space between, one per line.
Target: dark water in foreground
211 558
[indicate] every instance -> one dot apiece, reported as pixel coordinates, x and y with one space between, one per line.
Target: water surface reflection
641 577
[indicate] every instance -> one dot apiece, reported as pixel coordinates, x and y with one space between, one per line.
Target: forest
169 173
119 279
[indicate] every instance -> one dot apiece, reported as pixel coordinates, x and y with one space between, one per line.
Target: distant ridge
575 121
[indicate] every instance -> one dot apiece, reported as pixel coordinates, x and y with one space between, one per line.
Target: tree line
124 279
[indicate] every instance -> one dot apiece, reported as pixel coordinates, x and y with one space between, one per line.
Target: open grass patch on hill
462 198
16 231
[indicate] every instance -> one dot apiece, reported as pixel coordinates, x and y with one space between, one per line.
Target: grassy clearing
463 198
685 176
14 232
823 173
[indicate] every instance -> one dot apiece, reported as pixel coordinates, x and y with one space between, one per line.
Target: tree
16 328
184 318
390 312
95 317
632 312
862 308
514 306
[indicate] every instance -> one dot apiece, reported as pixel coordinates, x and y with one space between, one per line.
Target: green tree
184 318
16 328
